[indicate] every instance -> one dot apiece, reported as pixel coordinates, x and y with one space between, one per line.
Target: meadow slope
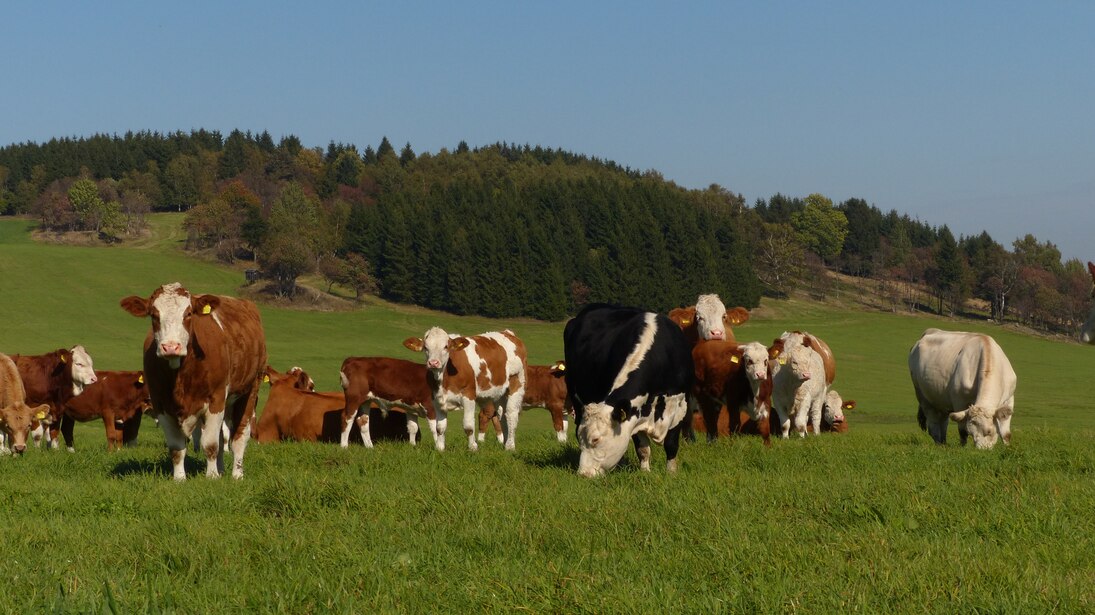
881 520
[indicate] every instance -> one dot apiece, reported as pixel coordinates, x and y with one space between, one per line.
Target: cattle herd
628 375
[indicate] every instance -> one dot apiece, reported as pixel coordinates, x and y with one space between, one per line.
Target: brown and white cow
203 362
15 415
295 412
833 417
965 377
463 370
708 319
116 397
545 387
390 384
54 378
1087 332
731 387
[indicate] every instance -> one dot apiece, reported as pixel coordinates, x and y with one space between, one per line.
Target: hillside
57 295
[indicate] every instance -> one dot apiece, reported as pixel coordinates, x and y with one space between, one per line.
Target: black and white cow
627 371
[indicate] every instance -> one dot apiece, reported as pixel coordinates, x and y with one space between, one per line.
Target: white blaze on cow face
710 317
982 424
833 410
801 362
83 371
171 312
602 440
754 357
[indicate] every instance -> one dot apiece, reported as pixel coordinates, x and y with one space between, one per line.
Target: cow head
296 377
801 361
711 318
984 424
558 369
832 412
603 438
141 387
15 422
83 372
754 358
172 309
437 345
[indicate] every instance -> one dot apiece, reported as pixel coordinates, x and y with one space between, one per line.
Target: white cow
967 377
798 389
1087 334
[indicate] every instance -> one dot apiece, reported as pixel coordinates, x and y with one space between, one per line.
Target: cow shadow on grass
161 467
565 457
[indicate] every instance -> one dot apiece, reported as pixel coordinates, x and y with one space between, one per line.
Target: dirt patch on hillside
306 298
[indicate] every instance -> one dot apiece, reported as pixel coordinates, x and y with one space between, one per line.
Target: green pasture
879 520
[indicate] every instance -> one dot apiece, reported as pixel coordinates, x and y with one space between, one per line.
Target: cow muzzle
433 364
18 449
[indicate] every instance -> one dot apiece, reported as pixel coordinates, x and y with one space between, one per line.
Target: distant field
878 521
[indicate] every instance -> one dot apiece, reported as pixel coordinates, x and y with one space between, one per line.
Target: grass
878 520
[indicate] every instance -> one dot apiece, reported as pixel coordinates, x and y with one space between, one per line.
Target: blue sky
978 115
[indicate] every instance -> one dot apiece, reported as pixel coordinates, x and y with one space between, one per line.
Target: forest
509 230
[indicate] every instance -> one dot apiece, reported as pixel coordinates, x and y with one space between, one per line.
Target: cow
732 387
708 319
463 370
203 357
966 377
790 339
15 414
628 372
833 417
54 378
389 384
117 397
545 387
1087 333
295 412
799 390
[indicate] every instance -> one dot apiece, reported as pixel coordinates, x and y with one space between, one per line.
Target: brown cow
205 354
292 412
728 380
15 414
116 397
545 387
389 384
462 370
54 378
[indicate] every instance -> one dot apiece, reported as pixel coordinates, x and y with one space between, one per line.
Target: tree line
514 230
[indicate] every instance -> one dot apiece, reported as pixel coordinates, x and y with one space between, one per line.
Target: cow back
11 385
122 391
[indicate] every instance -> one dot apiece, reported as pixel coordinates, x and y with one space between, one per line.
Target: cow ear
849 404
1002 413
138 306
42 414
619 415
738 315
458 343
558 368
205 304
413 343
958 417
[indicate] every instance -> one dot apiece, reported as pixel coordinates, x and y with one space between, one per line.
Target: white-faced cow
15 415
54 378
627 373
1087 334
798 390
203 362
463 370
708 319
965 377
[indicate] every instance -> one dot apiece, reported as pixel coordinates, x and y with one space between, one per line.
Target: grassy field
880 520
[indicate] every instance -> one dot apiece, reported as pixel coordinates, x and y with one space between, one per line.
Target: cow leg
486 416
4 450
441 426
800 420
710 410
764 426
642 449
363 427
686 427
469 422
672 444
176 436
67 423
499 430
815 414
113 435
557 421
131 428
937 425
963 433
1003 421
412 427
242 412
513 414
212 443
349 414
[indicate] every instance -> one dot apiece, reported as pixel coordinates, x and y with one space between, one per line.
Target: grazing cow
732 383
545 387
15 414
627 372
463 370
294 412
967 377
708 319
54 378
117 397
204 355
798 389
1087 334
389 384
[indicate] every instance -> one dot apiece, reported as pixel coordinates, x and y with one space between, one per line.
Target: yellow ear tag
206 309
63 359
562 367
735 359
775 352
847 406
40 415
140 379
266 378
782 361
686 322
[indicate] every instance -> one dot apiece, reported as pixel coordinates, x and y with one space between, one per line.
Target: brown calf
723 386
117 397
54 378
389 384
15 415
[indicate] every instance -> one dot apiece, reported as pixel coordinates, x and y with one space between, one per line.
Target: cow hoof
671 466
70 449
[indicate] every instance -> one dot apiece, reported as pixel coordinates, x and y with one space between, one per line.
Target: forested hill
507 230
